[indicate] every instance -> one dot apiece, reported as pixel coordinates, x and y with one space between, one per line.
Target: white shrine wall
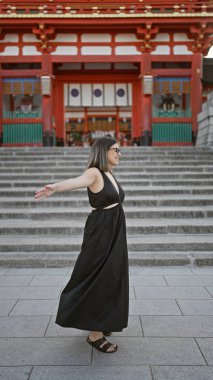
95 44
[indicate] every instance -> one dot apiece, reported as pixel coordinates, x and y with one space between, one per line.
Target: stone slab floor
169 337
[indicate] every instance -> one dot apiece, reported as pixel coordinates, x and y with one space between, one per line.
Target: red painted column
196 91
117 126
85 120
1 108
136 110
146 136
47 101
59 111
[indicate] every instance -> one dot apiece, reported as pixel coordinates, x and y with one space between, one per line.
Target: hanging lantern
148 84
46 85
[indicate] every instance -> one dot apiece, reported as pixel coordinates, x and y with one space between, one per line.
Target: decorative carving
44 34
203 38
146 33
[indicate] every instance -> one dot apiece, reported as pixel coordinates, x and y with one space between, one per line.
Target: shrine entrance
96 110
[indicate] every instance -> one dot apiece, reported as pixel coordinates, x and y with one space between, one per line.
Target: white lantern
46 85
148 84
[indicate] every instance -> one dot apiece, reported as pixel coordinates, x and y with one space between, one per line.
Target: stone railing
205 121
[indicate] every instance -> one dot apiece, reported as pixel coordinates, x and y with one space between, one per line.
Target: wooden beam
23 121
171 120
96 78
172 72
21 73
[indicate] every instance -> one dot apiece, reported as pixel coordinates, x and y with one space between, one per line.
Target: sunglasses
117 150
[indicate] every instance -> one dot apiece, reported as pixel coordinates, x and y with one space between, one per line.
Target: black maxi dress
96 298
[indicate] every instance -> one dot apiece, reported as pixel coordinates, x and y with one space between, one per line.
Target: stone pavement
169 337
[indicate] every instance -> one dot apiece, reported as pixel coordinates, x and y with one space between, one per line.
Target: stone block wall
205 121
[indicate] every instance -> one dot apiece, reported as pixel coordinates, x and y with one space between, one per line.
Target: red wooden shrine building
74 70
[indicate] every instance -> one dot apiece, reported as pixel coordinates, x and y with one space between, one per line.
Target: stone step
84 150
142 201
134 226
62 213
132 175
61 152
124 151
68 259
156 148
156 243
141 169
124 162
79 160
136 161
124 158
124 182
6 191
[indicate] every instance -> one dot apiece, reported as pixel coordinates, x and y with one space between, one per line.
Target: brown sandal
101 345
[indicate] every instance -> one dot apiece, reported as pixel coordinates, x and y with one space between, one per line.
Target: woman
96 296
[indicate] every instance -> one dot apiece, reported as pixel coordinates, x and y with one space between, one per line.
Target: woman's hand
44 192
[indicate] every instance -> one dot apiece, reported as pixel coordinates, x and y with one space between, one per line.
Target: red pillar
86 129
117 126
196 91
1 108
146 108
47 101
59 110
136 109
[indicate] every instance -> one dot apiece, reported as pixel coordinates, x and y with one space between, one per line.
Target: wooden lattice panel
17 88
28 88
21 88
6 88
186 87
37 88
157 87
166 86
172 86
176 87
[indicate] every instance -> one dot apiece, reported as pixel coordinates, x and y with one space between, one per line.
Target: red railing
104 7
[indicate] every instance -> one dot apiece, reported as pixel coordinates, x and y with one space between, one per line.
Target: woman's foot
102 344
95 335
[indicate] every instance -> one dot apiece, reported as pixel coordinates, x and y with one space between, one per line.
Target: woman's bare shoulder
93 171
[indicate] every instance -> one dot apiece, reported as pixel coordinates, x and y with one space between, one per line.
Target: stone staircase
168 205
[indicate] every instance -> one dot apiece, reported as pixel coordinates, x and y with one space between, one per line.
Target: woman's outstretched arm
87 179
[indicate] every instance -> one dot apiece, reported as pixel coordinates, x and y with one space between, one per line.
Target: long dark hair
98 153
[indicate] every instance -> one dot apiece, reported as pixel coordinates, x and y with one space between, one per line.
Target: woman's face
113 155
